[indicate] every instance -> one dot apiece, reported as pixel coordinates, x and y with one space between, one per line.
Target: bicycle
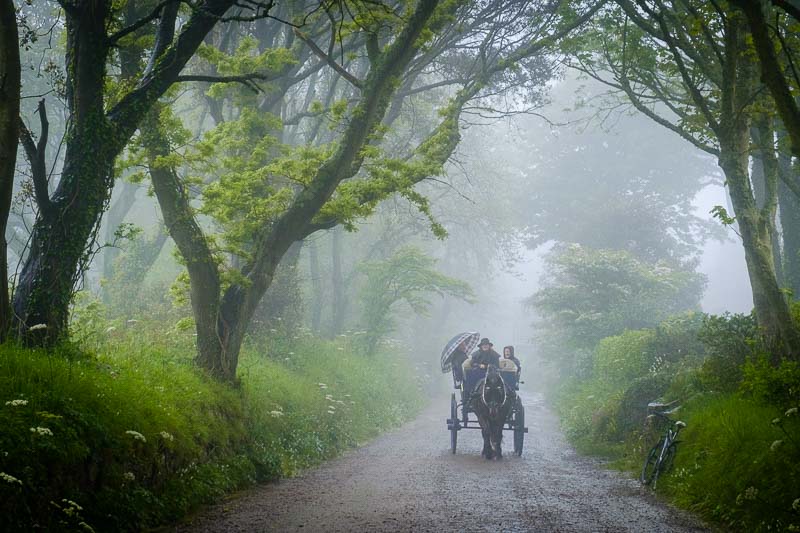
661 456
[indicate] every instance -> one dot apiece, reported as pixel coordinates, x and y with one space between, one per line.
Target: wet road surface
408 480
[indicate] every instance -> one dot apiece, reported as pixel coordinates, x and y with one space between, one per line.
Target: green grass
135 436
736 466
738 461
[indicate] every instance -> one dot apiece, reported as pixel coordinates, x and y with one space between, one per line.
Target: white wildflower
129 476
17 403
8 478
322 385
791 412
776 421
37 327
136 435
329 397
331 412
42 431
111 328
775 445
133 321
276 414
166 436
331 408
750 493
796 505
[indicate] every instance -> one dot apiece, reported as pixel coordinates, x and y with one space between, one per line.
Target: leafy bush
622 358
779 386
729 341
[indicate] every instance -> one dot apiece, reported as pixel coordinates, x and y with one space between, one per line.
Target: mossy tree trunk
755 222
63 234
9 132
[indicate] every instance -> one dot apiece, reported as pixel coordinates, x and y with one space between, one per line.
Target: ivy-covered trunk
9 124
65 224
790 224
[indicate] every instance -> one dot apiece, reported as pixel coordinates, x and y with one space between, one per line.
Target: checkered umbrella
471 338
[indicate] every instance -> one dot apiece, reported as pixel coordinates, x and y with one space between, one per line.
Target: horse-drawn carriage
489 394
472 391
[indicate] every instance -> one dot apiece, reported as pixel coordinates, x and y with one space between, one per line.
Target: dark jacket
489 357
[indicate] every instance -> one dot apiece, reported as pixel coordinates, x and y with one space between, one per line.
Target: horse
492 402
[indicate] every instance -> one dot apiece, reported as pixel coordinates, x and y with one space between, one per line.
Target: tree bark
9 135
764 177
64 231
771 305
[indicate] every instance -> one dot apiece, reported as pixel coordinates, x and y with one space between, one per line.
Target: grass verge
133 435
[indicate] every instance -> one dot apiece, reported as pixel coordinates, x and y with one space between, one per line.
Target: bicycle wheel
649 469
666 462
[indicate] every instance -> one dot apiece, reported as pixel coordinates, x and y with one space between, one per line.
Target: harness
505 393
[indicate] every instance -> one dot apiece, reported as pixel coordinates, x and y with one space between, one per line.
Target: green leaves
407 277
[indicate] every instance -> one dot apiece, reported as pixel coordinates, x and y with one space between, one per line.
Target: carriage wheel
519 427
453 422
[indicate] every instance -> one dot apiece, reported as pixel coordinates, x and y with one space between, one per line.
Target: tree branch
244 79
355 82
35 153
156 13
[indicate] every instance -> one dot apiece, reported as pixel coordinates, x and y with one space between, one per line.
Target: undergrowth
131 434
738 461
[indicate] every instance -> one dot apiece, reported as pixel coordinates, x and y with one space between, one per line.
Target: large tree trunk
9 132
66 223
771 306
764 177
756 223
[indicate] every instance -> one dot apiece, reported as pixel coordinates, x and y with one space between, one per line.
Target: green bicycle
661 456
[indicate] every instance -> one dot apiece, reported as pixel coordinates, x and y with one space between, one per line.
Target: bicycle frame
666 442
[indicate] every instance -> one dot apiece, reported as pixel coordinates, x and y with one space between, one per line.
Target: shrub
779 386
622 358
738 463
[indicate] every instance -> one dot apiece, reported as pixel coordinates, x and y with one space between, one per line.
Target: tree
9 127
100 126
267 194
592 294
408 276
781 78
687 66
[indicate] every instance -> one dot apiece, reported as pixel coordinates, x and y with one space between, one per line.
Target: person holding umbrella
455 353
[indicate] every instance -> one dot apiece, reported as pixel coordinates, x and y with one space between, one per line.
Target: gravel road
407 480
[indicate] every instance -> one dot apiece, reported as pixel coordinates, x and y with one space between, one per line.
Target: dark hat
485 341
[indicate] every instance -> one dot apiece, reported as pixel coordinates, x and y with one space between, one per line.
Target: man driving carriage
484 355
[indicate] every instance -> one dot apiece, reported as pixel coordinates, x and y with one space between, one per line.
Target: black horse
492 402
